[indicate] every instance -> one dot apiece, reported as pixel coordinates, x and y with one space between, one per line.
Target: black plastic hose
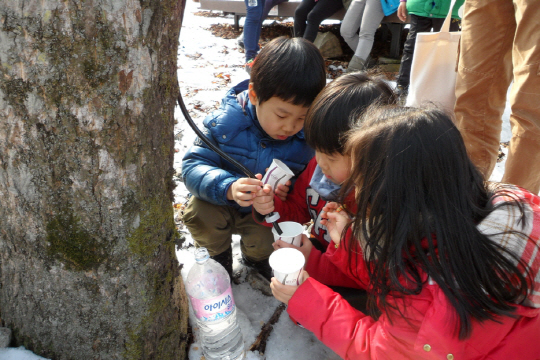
201 136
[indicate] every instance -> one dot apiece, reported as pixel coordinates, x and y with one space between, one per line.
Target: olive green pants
212 227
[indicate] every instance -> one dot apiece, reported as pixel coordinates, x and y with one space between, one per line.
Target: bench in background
286 9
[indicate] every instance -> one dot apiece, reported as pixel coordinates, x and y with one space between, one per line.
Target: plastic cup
287 264
278 173
292 233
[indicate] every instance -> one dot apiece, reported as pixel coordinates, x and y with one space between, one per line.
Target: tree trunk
87 258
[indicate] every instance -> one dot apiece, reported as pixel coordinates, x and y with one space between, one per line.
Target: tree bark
87 258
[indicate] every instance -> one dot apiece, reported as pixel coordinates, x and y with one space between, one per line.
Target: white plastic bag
433 69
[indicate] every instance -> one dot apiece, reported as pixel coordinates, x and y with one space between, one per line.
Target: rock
328 44
5 337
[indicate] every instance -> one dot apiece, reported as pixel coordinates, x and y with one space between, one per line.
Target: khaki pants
501 42
212 227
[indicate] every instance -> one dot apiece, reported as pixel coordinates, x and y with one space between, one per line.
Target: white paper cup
292 233
287 264
278 173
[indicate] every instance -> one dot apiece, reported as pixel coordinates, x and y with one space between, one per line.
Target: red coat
304 204
426 327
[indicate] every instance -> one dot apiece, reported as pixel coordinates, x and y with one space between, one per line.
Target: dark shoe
240 40
262 266
226 260
402 92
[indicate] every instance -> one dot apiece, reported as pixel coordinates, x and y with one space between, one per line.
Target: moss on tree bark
87 258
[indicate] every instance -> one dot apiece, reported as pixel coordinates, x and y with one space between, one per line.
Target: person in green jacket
425 16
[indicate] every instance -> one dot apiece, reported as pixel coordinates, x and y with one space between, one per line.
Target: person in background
360 22
500 43
425 16
249 39
257 122
451 262
311 13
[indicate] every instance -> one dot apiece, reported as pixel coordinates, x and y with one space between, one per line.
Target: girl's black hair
419 200
339 105
291 69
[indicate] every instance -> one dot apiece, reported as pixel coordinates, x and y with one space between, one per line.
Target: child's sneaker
248 66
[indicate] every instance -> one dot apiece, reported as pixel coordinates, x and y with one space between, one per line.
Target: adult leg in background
523 163
484 74
268 5
252 28
418 24
373 14
351 23
300 16
323 10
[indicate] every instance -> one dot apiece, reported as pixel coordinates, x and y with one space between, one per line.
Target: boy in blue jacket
259 120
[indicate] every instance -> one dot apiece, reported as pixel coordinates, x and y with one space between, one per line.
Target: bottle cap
201 255
272 217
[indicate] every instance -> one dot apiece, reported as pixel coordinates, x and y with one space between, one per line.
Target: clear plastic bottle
209 289
252 3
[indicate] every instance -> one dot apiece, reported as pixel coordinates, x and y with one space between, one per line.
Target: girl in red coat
451 262
329 118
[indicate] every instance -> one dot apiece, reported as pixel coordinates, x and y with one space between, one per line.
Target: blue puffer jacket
234 128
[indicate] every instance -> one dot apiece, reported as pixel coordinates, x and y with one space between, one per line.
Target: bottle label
215 308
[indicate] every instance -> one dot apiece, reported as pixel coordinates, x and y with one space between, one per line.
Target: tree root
260 342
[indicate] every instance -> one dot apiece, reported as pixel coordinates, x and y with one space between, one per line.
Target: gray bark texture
87 257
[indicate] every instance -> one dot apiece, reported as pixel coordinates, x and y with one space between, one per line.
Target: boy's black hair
419 200
291 69
337 107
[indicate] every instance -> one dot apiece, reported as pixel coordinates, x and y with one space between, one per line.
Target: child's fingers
282 292
304 276
283 244
250 181
259 176
284 187
287 290
331 206
248 188
263 209
262 193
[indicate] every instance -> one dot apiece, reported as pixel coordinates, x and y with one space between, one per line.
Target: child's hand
402 11
335 221
282 190
305 249
284 293
264 200
243 190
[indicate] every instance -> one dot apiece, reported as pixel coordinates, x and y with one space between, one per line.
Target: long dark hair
419 200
